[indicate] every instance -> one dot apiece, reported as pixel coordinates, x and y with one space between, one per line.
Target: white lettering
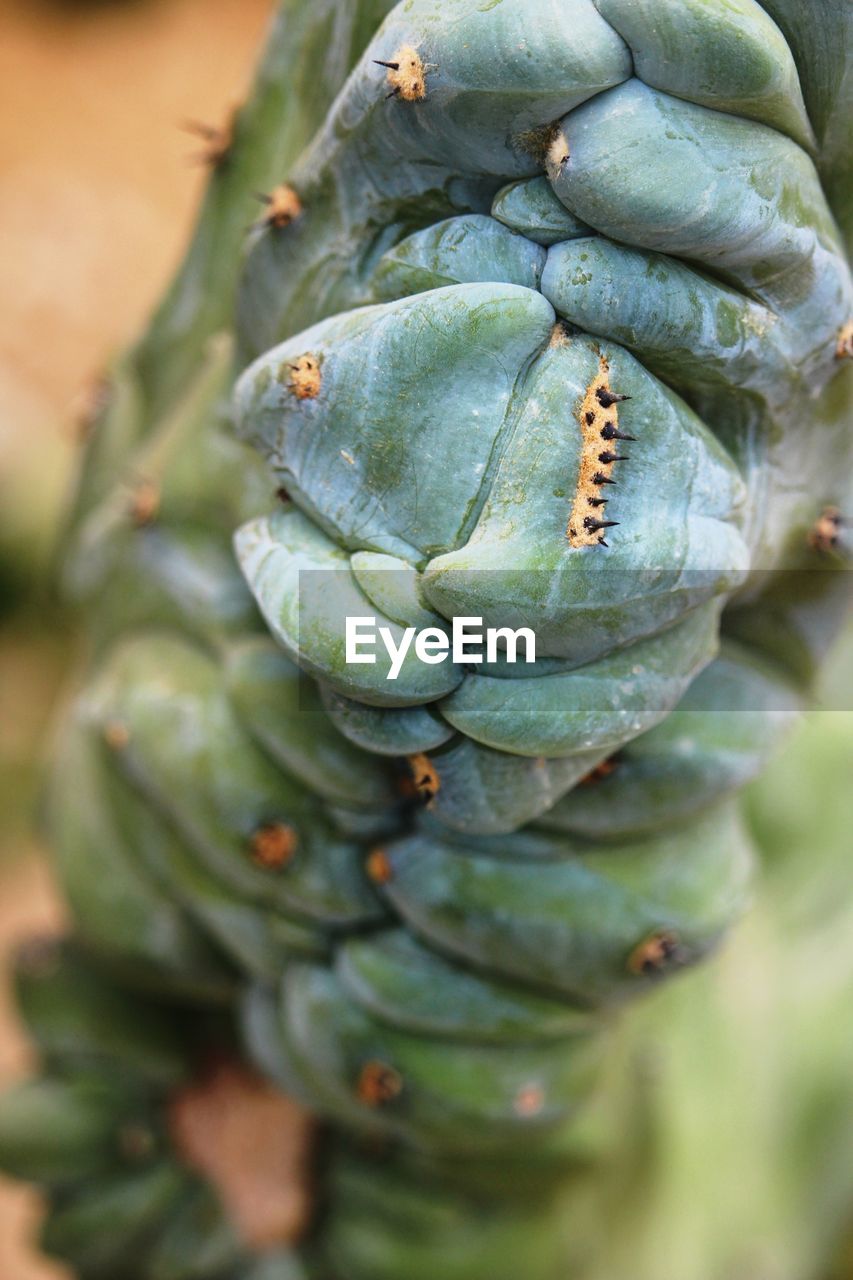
493 634
462 636
431 645
396 653
353 639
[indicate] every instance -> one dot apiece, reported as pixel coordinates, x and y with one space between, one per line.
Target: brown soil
252 1143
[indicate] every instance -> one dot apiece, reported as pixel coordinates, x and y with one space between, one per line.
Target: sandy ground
97 193
96 199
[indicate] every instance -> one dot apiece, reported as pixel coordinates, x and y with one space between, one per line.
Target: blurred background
753 1059
97 195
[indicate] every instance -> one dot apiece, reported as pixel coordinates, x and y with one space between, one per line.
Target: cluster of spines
598 416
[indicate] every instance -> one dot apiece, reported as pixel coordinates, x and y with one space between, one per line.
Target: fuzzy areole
283 207
305 378
406 74
274 845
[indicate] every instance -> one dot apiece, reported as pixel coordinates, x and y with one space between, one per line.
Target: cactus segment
564 916
717 738
463 1234
55 1131
281 708
460 144
399 731
590 709
123 911
823 60
445 1096
782 245
73 1018
464 250
306 590
531 208
486 790
135 1204
739 64
187 755
397 980
476 338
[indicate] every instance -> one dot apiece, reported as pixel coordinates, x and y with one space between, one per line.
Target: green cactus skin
559 208
457 1098
717 739
821 39
180 830
749 345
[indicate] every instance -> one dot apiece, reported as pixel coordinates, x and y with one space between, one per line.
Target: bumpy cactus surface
547 326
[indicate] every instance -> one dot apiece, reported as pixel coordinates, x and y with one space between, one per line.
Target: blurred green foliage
745 1157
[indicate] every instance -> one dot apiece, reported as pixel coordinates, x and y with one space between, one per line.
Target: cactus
110 1131
546 326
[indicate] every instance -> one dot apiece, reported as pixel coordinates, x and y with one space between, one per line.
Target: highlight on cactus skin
544 324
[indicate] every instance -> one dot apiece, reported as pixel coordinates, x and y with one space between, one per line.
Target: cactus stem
378 1084
273 845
